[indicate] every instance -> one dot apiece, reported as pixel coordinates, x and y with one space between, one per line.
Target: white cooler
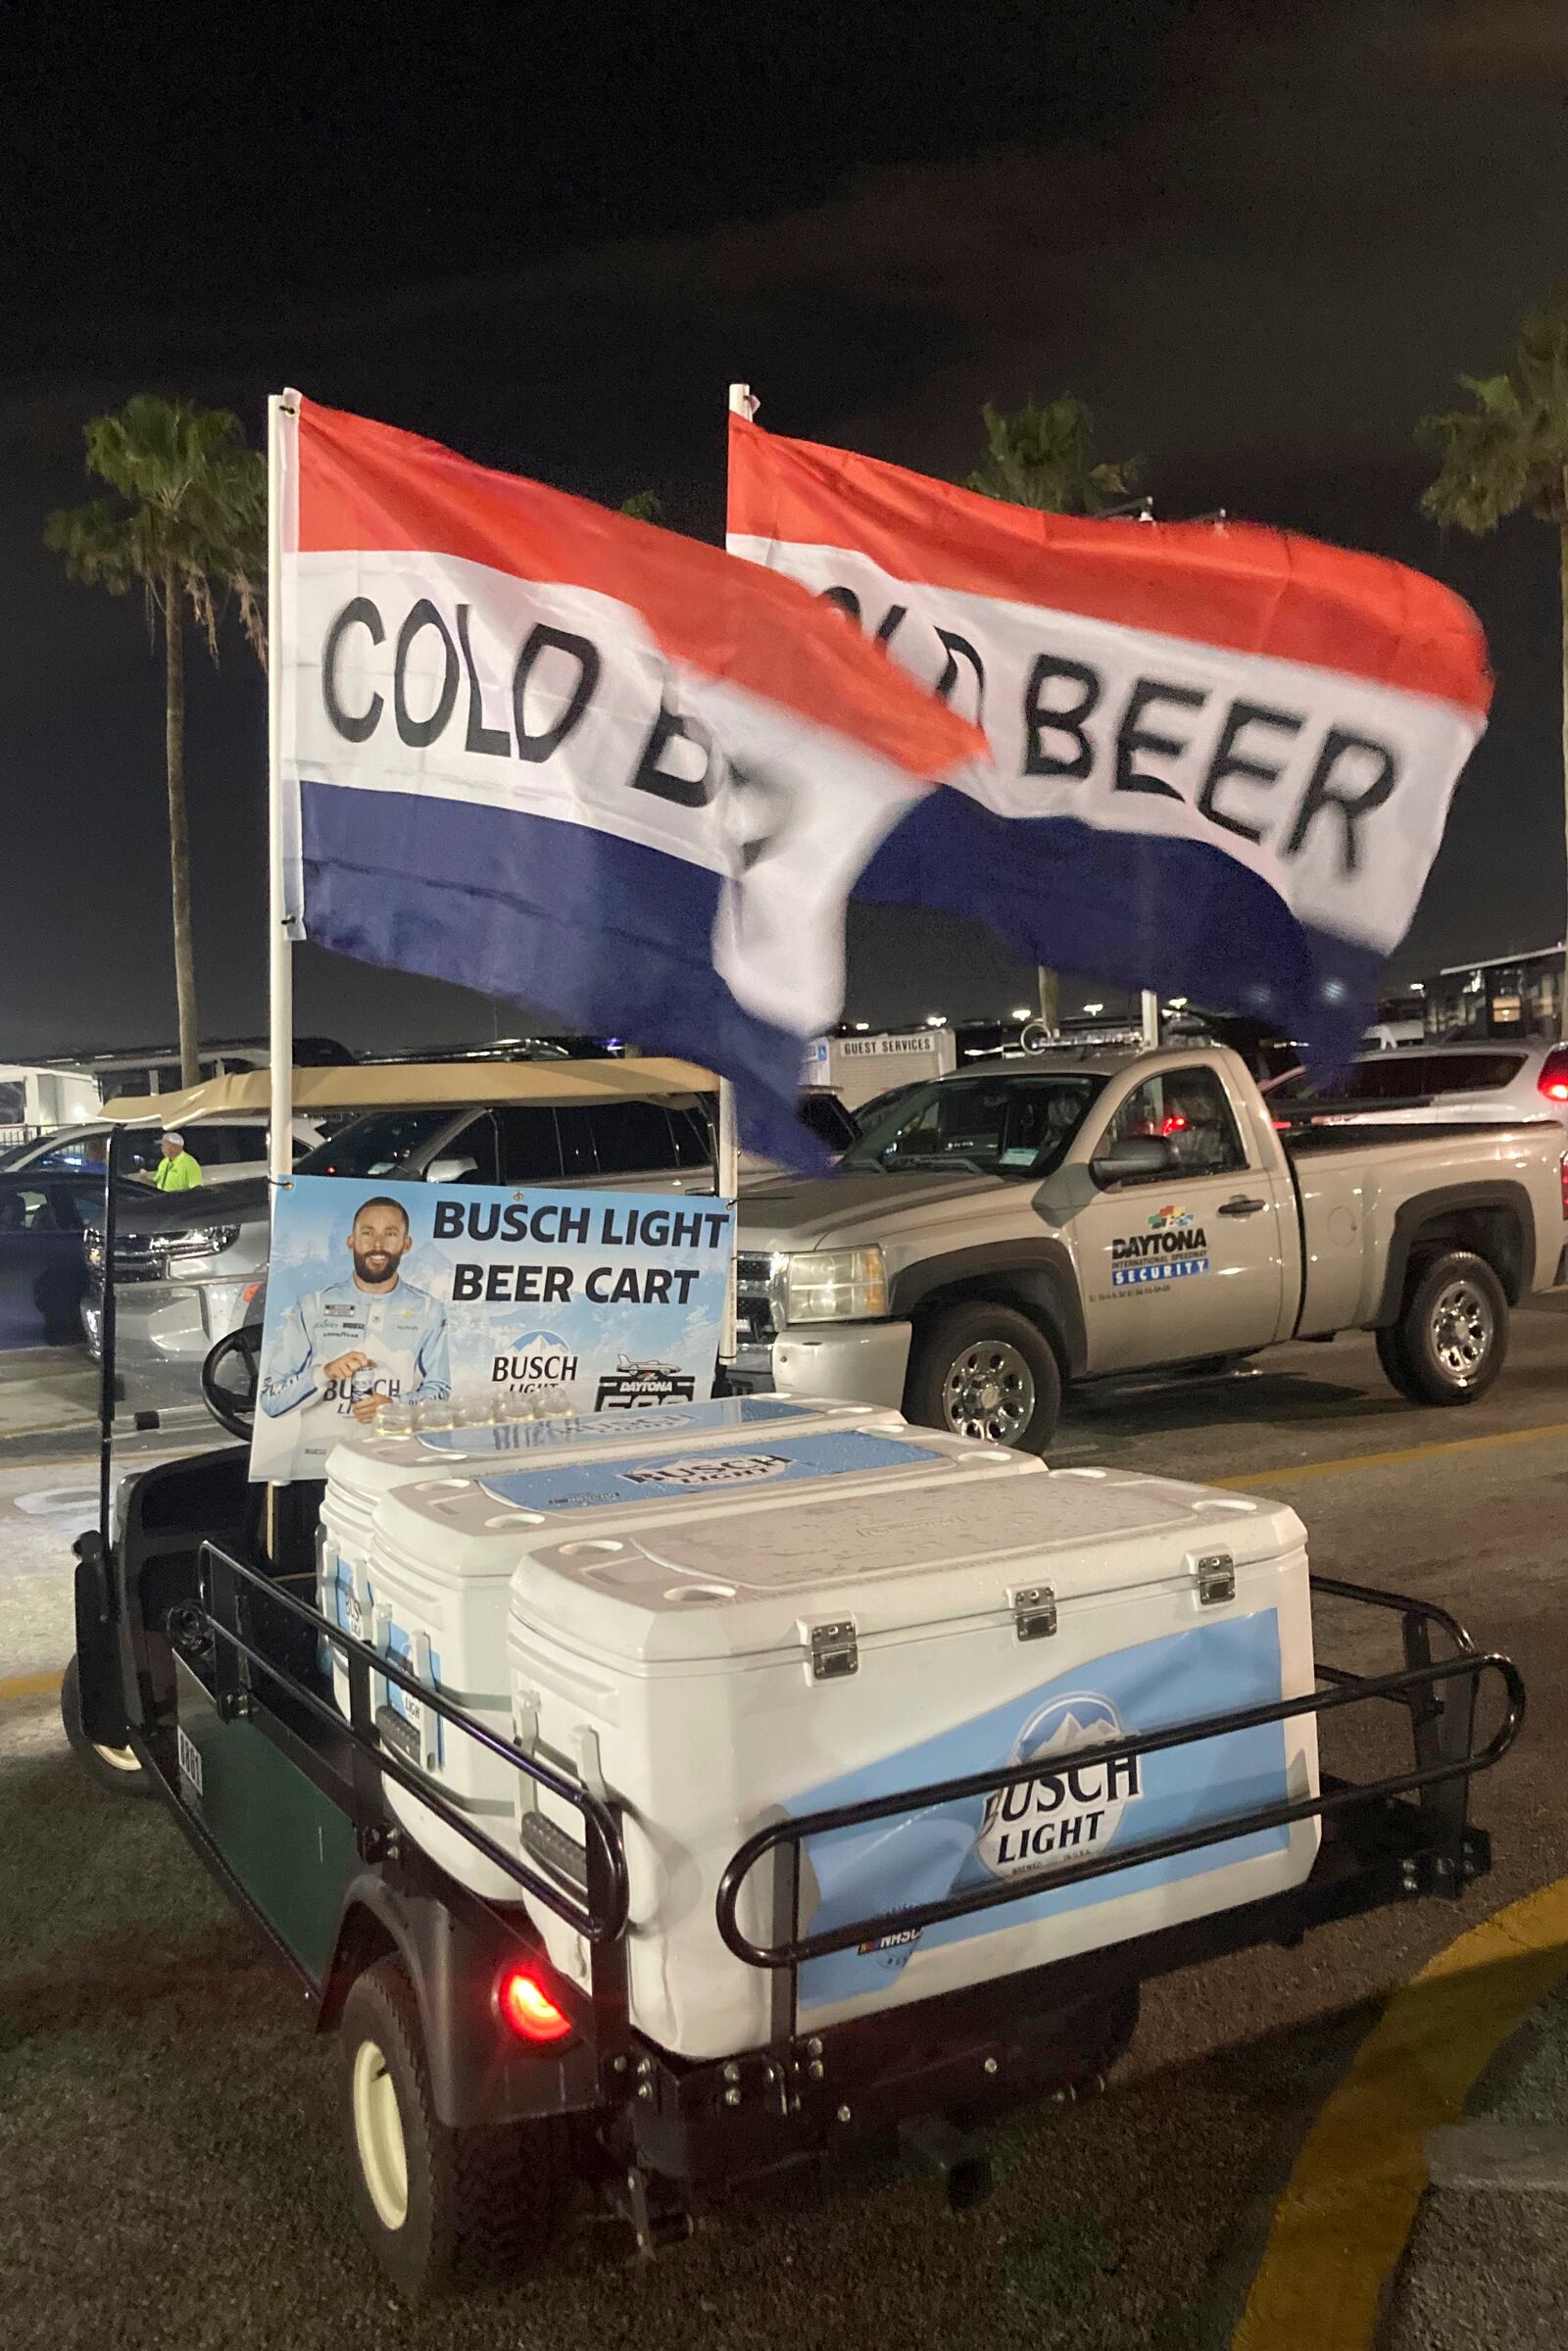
815 1647
443 1554
364 1468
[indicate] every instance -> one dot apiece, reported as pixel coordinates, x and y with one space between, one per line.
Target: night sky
1259 240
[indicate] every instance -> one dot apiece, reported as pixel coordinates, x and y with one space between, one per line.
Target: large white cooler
443 1554
367 1466
990 1621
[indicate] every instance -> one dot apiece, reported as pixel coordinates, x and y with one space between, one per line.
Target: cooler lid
656 1478
732 1583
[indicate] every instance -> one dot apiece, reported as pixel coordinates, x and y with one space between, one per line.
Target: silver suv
1479 1079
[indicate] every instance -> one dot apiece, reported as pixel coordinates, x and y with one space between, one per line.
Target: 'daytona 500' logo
1074 1804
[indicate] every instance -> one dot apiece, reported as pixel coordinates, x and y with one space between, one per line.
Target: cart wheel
118 1767
440 2208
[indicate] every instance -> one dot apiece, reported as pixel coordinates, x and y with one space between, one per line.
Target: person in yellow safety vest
177 1170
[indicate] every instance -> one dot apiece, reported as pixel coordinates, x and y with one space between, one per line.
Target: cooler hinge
1034 1612
835 1651
1217 1580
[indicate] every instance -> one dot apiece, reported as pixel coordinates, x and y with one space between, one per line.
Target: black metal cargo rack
1384 1840
1377 1846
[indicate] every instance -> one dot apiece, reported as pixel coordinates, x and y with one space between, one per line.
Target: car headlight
835 1285
204 1240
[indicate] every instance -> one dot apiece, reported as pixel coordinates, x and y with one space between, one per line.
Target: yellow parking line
1352 2200
29 1685
1393 1460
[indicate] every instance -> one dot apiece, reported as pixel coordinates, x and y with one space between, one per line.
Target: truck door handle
1242 1205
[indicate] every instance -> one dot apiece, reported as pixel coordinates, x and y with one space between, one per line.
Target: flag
563 756
1223 755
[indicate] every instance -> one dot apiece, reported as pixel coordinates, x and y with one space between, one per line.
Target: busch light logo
538 1360
1073 1805
711 1469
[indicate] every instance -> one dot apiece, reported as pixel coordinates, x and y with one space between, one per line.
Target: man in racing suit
352 1348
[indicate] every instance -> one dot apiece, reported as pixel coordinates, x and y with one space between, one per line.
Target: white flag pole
741 404
280 914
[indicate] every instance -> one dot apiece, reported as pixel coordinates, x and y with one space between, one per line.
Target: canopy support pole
741 404
281 917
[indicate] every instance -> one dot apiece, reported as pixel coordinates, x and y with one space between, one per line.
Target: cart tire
987 1371
1452 1338
441 2209
117 1768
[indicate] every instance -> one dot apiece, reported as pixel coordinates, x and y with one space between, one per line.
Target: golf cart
483 2084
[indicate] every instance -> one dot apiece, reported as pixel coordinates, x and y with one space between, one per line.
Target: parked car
188 1265
43 1267
227 1150
1418 1084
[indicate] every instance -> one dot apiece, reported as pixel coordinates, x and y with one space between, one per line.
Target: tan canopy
417 1085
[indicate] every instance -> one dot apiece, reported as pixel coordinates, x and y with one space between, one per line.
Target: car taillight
528 2009
1553 1079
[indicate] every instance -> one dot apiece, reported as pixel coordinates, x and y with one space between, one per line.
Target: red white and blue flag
1223 755
569 758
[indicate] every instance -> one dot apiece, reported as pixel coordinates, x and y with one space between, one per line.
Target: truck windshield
377 1145
1016 1126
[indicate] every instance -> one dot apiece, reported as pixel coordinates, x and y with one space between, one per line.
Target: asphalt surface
169 2163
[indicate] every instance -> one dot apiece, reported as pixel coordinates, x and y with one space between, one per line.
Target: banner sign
1077 1807
569 758
1223 755
474 1296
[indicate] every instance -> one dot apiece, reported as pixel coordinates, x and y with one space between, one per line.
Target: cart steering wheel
229 1379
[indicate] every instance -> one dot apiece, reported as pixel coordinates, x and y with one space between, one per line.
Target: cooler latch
835 1651
1217 1580
1034 1612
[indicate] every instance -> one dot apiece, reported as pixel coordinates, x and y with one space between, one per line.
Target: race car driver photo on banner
422 1296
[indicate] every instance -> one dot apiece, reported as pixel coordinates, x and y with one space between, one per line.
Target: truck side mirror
1135 1158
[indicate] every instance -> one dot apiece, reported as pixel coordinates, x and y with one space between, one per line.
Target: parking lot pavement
46 1389
1487 2260
169 2170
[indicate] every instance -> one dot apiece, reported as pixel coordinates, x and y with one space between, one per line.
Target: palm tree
187 524
1042 458
1507 451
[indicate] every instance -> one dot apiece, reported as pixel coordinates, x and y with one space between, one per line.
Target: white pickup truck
1076 1215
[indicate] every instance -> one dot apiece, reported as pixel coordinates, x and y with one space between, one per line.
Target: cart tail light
528 2009
1553 1079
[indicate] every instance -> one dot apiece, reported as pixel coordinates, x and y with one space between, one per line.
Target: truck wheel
986 1371
1452 1338
118 1767
440 2208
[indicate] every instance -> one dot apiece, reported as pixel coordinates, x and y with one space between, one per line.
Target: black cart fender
98 1677
480 2074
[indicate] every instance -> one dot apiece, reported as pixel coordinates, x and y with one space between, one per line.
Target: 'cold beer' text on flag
564 757
1222 755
